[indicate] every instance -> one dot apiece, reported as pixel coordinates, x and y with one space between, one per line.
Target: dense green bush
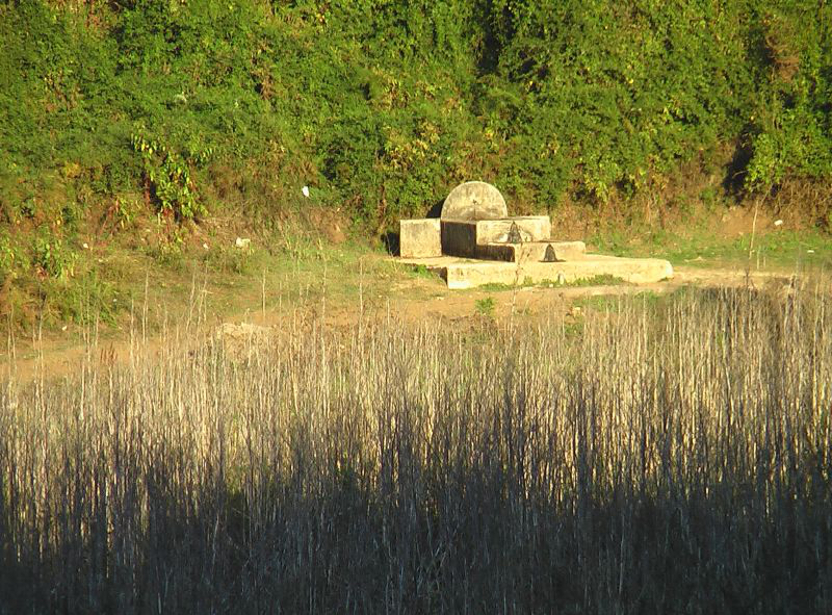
383 105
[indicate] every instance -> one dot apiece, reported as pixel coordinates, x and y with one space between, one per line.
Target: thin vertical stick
263 293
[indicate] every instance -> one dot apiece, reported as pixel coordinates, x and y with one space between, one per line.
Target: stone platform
460 273
476 242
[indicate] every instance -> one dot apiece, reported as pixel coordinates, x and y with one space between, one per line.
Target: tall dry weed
656 457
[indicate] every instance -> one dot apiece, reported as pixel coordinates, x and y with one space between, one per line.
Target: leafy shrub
7 258
52 258
383 106
168 177
485 307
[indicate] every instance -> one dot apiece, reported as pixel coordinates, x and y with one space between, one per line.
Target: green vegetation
605 279
597 280
485 307
173 117
671 460
421 271
614 303
643 454
701 247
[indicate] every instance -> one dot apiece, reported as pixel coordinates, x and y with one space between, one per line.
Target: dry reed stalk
659 456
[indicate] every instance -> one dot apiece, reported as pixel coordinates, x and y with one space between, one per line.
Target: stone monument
474 201
475 241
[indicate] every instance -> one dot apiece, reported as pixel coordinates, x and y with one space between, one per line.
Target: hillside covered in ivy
179 111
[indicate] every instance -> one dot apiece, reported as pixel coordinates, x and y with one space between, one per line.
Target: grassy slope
134 134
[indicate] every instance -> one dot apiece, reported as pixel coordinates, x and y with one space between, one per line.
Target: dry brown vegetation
653 456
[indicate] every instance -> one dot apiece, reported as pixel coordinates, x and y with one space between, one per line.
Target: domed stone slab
474 201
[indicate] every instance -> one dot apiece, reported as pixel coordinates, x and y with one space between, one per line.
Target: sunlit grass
702 248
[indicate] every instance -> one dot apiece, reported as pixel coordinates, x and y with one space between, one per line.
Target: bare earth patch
413 300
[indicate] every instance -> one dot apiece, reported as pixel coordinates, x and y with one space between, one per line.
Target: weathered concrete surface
531 228
508 250
533 252
420 238
474 201
633 270
464 237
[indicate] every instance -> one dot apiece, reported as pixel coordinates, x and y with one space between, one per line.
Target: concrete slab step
631 270
536 251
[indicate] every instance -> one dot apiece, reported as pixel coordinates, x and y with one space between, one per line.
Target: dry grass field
648 455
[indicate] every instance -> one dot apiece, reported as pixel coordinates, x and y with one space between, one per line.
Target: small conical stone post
549 256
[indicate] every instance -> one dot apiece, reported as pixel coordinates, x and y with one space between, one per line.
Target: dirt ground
410 300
